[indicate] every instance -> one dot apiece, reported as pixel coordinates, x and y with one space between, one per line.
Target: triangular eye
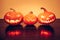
42 16
51 15
8 14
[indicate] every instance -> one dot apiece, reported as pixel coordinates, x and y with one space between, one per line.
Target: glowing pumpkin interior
46 17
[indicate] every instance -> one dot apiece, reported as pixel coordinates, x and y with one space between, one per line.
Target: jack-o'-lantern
13 17
46 17
30 18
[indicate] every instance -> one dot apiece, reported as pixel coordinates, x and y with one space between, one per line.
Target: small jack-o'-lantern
46 17
13 17
30 18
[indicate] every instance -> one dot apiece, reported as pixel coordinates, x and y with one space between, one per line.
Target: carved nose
48 19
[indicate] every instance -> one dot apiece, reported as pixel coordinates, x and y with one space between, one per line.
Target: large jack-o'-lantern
13 17
30 18
46 17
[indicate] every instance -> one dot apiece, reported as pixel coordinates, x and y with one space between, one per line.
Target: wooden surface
33 34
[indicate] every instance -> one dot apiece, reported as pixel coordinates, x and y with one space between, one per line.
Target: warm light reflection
45 33
14 33
17 32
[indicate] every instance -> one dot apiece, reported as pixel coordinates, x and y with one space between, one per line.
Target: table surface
29 34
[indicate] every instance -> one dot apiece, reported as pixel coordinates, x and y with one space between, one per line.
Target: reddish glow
14 33
45 33
11 33
17 32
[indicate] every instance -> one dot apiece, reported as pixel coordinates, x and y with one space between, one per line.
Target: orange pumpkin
30 18
13 17
46 17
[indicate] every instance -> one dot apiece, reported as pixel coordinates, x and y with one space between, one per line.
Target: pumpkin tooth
7 20
47 19
12 21
52 20
17 20
42 16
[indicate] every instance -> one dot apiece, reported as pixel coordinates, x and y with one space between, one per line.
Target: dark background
33 34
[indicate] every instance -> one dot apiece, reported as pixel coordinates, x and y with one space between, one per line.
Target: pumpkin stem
31 12
12 9
43 9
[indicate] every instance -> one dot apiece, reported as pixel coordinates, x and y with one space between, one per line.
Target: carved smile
48 21
12 21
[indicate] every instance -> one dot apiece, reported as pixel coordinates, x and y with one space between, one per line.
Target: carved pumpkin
13 17
30 18
46 17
